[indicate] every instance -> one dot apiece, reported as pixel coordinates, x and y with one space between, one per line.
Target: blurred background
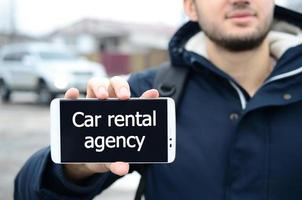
47 46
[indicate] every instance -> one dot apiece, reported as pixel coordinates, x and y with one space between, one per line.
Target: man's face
236 25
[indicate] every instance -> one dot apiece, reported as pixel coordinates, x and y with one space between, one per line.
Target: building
121 47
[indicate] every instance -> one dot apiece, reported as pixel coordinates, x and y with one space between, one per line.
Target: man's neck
248 68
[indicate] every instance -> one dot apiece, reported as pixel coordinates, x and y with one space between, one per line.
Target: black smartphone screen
114 130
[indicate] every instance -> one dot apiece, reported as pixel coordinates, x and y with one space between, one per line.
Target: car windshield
52 55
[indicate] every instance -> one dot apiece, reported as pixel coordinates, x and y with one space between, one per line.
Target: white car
43 68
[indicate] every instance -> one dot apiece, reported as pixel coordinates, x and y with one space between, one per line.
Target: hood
285 34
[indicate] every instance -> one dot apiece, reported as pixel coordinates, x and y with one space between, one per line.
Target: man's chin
237 39
240 44
241 34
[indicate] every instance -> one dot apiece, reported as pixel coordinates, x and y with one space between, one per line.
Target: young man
239 122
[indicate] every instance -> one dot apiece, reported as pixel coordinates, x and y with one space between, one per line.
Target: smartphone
102 131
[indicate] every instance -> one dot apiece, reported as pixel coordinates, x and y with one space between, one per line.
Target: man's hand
115 87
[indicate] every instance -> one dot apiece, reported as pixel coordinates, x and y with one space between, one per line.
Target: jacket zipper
240 94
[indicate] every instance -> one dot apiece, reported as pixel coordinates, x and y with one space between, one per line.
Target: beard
233 42
237 43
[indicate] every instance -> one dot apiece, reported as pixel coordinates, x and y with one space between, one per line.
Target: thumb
119 168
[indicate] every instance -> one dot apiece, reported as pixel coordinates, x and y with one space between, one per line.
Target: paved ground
24 129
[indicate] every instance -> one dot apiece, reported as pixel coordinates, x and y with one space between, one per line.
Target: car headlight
61 82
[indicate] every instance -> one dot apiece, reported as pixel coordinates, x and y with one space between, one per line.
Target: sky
37 17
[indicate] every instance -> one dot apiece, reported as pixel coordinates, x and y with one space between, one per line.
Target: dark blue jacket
229 145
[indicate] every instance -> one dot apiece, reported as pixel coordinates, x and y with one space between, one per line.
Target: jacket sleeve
40 178
141 81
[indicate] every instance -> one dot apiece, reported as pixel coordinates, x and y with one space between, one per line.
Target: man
239 119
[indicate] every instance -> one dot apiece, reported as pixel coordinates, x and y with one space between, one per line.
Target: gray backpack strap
170 82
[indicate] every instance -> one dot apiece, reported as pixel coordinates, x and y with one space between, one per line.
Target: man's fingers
153 93
103 88
119 88
119 168
98 88
72 93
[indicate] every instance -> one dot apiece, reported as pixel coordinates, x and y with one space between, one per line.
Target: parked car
46 69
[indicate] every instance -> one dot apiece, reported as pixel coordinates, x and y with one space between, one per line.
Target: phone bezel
55 139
